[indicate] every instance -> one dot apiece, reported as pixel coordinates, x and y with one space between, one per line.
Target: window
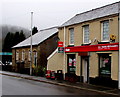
17 55
105 65
35 58
71 63
23 55
86 34
71 36
29 55
105 31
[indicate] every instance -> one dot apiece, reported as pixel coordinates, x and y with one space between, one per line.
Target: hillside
4 29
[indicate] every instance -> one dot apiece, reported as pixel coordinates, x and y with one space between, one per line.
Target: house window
35 58
29 55
23 55
86 34
105 30
71 36
17 55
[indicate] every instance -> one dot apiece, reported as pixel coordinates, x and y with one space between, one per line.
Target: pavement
77 85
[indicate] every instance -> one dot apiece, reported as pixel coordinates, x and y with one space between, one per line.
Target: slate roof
38 37
93 14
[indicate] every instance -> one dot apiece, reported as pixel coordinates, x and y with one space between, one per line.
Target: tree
11 40
16 39
6 46
22 36
34 30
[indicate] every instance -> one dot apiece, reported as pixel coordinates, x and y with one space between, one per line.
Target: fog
46 13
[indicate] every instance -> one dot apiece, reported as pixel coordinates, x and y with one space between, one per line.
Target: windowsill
85 44
103 42
71 45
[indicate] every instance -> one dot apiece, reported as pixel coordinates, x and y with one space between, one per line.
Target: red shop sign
60 44
92 48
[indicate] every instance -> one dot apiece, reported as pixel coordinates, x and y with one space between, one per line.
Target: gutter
64 67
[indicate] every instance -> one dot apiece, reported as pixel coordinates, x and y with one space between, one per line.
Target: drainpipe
64 54
119 47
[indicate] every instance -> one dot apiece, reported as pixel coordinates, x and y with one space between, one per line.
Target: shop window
105 30
71 41
71 63
86 34
105 65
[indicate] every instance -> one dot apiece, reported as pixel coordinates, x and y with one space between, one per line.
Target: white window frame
84 34
17 55
70 36
23 55
35 56
107 40
29 55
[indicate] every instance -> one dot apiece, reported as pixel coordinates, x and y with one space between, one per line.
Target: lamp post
31 44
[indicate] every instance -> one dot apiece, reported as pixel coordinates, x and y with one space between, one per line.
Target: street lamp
31 44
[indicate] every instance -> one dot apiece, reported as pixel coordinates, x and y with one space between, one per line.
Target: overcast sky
47 13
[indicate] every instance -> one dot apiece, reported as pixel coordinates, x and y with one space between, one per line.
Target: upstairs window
86 34
105 30
71 41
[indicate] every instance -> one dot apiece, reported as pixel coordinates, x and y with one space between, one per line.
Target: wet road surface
19 86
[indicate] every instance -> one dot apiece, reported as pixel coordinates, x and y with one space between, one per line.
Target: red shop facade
104 62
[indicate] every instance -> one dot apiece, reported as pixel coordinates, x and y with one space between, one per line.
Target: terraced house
91 47
44 43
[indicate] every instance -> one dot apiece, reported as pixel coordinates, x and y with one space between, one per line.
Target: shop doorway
85 69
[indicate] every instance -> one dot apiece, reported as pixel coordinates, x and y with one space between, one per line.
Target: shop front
98 63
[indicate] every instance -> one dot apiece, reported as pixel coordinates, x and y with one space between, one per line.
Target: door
85 70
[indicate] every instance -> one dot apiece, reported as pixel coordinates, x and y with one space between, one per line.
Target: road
19 86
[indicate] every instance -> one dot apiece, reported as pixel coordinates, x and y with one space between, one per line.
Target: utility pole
31 44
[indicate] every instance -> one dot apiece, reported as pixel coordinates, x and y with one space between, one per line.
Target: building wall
114 65
56 62
27 61
93 65
95 33
94 27
43 50
78 62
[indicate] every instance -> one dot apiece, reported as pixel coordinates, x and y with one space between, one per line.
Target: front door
85 70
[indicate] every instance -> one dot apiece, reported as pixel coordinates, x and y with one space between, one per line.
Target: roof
93 14
52 54
38 37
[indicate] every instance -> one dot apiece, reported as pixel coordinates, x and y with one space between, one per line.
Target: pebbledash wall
91 46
